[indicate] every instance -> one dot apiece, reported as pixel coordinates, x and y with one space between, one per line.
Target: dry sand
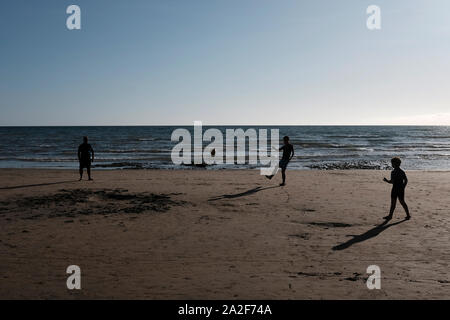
195 234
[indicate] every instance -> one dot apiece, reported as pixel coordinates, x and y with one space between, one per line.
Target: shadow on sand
367 235
242 194
36 185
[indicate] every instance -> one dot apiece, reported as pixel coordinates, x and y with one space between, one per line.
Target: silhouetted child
399 182
288 153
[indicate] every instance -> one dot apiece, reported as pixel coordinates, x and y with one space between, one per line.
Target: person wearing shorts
85 157
288 153
399 182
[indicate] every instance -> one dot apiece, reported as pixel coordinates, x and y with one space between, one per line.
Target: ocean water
140 147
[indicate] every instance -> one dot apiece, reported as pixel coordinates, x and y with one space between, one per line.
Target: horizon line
230 125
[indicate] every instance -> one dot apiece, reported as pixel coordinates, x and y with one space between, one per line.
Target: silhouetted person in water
399 182
288 153
85 156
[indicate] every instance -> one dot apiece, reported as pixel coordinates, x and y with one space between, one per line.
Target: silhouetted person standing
85 156
399 182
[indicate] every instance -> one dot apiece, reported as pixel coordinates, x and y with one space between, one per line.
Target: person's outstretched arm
292 154
405 181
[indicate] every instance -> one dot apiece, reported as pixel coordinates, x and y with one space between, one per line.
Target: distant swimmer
86 157
399 182
288 153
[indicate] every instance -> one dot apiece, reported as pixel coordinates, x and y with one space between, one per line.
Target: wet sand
198 234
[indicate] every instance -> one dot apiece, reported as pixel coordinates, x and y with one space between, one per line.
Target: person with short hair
288 153
399 182
85 157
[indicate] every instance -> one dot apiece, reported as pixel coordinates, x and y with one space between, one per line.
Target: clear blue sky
224 62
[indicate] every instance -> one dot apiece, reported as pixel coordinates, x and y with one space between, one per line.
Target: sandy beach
227 234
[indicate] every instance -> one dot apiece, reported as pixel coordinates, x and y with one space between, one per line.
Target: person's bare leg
89 173
391 211
283 175
405 206
274 172
81 174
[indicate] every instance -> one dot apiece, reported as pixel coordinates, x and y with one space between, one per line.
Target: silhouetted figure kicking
85 156
288 153
399 182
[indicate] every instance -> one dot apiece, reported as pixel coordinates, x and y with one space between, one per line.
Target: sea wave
150 147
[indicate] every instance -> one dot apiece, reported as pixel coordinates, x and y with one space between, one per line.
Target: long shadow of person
241 194
35 185
367 235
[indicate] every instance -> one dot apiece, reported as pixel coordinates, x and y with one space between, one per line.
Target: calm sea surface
316 147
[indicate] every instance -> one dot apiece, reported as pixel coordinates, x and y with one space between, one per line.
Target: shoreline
202 169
